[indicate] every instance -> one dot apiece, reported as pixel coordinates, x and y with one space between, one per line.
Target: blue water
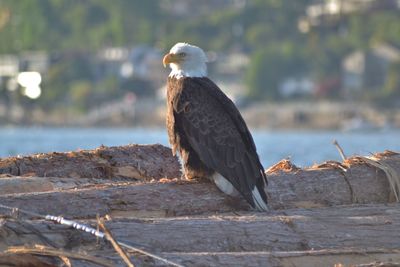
303 147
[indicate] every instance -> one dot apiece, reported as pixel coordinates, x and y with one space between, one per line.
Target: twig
47 251
339 148
115 244
66 261
149 254
88 229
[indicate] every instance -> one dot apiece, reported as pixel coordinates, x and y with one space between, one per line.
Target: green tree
391 89
66 25
270 66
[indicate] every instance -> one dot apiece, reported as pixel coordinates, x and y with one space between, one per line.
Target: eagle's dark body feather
211 136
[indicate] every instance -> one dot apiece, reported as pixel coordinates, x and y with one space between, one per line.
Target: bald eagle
207 130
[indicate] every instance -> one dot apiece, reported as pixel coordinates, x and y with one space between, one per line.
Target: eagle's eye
182 54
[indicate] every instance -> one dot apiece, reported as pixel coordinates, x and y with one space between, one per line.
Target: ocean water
304 148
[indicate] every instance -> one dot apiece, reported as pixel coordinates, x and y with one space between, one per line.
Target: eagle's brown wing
218 134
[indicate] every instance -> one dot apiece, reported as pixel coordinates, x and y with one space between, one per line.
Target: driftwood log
334 213
331 235
130 162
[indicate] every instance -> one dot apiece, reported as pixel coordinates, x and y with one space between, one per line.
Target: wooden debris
131 161
117 247
284 165
324 185
26 260
47 251
342 232
332 214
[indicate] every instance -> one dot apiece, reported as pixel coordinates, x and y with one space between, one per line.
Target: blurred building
368 69
12 65
109 61
34 61
141 63
296 86
9 65
190 8
228 70
329 12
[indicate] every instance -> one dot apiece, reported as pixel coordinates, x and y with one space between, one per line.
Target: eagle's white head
186 60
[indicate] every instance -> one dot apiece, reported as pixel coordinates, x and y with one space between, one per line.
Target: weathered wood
333 183
84 198
131 161
18 184
343 234
325 185
128 200
194 224
22 261
50 252
327 257
288 231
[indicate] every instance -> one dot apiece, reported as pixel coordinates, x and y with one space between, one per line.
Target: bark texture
304 237
332 214
131 161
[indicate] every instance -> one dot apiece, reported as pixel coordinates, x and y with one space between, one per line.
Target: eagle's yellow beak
171 58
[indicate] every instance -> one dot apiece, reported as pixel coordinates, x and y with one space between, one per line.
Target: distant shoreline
150 113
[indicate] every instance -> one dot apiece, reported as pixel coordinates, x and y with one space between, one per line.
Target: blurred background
78 74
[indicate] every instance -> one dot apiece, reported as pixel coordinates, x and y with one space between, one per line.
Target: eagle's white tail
224 185
259 202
